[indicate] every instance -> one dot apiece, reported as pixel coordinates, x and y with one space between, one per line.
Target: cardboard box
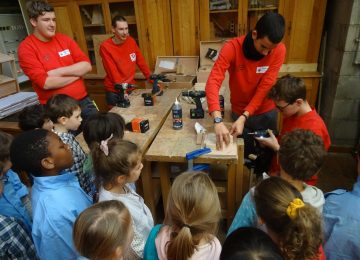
181 70
206 63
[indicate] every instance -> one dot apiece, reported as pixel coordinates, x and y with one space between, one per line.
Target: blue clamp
194 154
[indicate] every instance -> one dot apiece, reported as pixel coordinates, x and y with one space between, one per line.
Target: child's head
103 231
34 117
249 243
301 154
40 152
193 212
100 126
5 163
116 162
295 225
289 94
64 110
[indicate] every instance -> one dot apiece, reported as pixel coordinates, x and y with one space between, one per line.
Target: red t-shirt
120 62
250 80
37 58
309 121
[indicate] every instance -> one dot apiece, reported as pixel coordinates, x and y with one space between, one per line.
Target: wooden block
228 151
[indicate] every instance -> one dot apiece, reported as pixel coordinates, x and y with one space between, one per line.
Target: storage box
8 83
181 70
206 63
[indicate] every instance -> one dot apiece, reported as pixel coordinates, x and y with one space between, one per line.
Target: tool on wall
197 112
121 89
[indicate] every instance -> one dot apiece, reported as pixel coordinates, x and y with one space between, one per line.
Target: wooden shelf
94 25
224 11
5 79
262 9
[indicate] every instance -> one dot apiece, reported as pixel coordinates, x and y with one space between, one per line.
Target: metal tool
156 89
197 112
121 91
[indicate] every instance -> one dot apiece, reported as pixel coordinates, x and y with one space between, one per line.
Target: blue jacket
10 200
342 223
56 201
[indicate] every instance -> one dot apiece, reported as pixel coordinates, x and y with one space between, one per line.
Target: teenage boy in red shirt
253 62
54 62
120 55
289 95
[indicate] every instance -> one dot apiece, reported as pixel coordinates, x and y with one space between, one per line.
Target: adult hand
270 142
222 135
237 127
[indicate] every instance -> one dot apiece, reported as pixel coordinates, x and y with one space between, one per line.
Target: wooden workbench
172 145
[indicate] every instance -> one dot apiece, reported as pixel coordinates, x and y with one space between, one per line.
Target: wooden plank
302 67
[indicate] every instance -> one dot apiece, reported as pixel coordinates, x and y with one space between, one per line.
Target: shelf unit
8 83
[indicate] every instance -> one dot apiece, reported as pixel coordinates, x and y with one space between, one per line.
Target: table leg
148 188
164 171
239 173
231 183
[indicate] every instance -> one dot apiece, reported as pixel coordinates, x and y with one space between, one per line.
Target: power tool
197 112
121 91
156 89
138 125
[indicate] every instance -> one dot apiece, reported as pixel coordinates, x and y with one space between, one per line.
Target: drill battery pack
149 99
138 125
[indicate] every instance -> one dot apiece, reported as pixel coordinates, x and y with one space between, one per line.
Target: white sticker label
64 53
262 69
133 56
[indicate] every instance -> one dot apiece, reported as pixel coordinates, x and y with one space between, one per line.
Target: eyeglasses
281 108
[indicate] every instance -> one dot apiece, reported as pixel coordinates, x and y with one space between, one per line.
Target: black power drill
156 90
197 112
121 91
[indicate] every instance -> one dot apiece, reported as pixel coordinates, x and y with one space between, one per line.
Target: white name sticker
64 53
262 69
133 56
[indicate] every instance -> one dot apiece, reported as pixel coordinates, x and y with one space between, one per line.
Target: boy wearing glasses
289 95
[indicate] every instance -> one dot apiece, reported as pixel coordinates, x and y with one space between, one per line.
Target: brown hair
117 18
301 154
122 158
289 89
61 105
193 212
99 230
5 143
38 8
300 237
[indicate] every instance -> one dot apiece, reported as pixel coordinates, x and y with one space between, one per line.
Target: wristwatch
218 120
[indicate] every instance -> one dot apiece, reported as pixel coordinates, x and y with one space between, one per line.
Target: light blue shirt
10 200
342 223
57 201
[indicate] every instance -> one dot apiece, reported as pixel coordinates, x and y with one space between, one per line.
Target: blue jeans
263 121
87 108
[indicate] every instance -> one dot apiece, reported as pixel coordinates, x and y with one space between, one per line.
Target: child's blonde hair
193 212
119 158
101 229
297 224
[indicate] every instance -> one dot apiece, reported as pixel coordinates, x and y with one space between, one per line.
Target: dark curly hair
299 237
28 149
32 117
301 154
5 142
38 8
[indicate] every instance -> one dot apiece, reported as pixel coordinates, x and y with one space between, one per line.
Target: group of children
87 206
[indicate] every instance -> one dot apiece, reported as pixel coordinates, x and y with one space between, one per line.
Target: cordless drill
156 90
121 91
197 112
